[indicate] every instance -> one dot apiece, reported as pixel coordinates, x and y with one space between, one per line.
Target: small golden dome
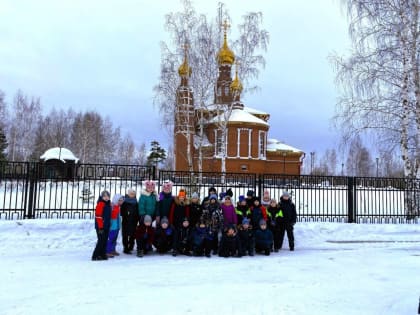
225 55
184 69
236 85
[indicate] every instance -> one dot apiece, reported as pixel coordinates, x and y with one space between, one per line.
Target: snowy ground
45 268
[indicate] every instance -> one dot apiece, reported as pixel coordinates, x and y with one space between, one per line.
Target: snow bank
45 268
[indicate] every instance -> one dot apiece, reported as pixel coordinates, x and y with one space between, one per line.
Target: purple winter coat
229 215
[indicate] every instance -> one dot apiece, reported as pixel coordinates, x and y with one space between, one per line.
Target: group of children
181 225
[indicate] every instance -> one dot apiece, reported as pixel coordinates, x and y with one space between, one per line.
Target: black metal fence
35 190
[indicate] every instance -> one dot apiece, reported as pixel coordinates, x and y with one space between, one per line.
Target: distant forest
26 133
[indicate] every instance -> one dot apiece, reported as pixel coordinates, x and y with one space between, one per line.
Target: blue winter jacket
263 238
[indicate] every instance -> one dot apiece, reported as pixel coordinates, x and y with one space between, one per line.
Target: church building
227 136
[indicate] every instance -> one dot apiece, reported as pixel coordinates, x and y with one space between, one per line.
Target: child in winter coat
117 201
202 240
102 225
250 196
229 214
288 215
165 201
230 245
242 210
258 212
265 201
164 237
263 239
216 225
246 236
145 234
183 239
195 210
275 219
148 200
212 191
179 209
130 217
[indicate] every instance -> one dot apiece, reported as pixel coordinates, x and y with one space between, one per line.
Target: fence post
31 194
259 188
350 200
154 174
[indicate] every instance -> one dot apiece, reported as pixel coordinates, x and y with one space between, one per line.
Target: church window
219 143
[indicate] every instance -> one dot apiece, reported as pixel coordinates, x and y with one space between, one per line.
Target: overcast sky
105 55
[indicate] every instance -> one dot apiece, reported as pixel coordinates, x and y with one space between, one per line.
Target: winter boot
140 253
267 252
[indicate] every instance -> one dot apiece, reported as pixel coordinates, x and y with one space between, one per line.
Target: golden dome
236 85
225 55
184 69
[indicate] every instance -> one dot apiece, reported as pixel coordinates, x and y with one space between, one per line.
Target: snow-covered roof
239 115
254 111
203 142
62 154
276 145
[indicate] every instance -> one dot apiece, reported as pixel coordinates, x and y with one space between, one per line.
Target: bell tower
225 60
184 119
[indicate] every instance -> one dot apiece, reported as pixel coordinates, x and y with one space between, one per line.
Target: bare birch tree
24 116
380 80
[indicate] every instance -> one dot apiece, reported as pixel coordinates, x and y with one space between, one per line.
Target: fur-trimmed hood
144 192
178 202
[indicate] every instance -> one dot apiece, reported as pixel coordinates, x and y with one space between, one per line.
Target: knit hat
116 198
262 222
185 219
222 195
245 221
250 193
105 193
150 185
256 198
266 195
131 191
273 201
212 190
241 198
285 194
231 227
147 219
182 194
229 192
164 220
227 198
194 195
167 186
213 196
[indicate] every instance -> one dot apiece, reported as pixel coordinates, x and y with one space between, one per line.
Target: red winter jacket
145 232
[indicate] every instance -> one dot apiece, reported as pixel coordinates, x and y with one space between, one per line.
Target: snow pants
112 241
100 249
286 228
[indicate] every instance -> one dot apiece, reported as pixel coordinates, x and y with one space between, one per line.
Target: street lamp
377 167
342 169
312 161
